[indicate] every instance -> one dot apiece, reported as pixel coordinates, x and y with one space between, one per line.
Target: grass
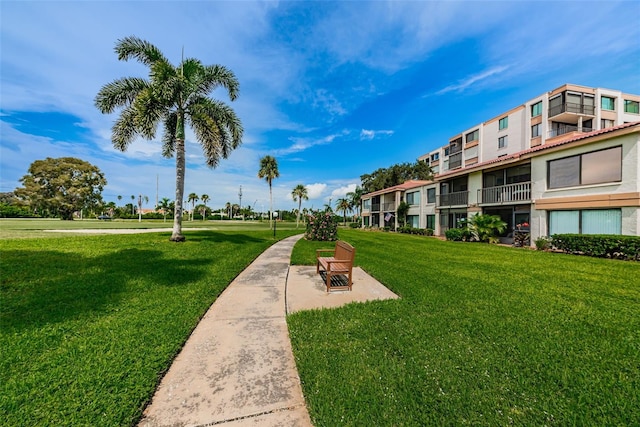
483 335
88 324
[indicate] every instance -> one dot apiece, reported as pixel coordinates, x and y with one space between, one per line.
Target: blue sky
333 90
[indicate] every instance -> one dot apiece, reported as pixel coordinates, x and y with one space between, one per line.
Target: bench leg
328 283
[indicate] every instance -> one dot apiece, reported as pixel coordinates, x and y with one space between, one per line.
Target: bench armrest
344 261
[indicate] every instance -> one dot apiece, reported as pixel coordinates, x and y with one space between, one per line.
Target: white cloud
366 134
342 191
470 80
302 144
315 191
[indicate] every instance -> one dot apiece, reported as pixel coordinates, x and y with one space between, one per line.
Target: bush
600 246
13 211
542 243
458 234
321 227
412 230
430 231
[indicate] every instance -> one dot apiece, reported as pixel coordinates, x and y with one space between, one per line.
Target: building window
535 130
502 141
431 195
503 123
435 156
606 123
366 204
413 198
446 151
431 222
536 109
607 103
472 136
413 221
631 106
597 167
591 221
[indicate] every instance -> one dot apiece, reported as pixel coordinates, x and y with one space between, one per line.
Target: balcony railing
567 129
388 207
503 194
375 207
460 198
570 107
455 161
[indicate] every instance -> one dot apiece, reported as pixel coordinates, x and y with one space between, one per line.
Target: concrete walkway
237 368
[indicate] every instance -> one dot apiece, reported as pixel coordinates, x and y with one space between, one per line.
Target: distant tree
227 208
343 205
269 171
205 199
62 186
192 198
173 96
164 206
299 194
141 199
355 198
133 210
395 175
401 211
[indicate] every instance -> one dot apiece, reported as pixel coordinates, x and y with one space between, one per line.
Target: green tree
401 212
299 194
205 199
192 198
173 96
62 186
343 205
141 199
269 171
164 206
395 175
355 198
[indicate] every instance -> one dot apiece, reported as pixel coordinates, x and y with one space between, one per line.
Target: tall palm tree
355 198
205 199
299 193
193 198
133 208
173 96
343 205
227 206
269 171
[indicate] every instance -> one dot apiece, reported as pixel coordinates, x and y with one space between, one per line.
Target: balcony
505 194
564 129
455 161
375 207
389 207
460 198
570 110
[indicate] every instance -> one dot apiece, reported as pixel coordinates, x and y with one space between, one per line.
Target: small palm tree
355 197
173 96
165 206
192 198
269 171
343 205
205 199
484 227
299 193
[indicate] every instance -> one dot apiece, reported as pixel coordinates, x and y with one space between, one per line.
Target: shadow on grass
43 287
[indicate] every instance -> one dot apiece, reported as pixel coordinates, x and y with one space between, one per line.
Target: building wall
624 194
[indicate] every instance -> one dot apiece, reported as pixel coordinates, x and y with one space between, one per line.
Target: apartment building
565 161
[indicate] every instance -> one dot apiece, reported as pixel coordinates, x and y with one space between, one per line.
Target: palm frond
141 50
119 93
124 129
219 75
169 135
149 111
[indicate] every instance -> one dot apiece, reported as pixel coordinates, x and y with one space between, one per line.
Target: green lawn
483 335
89 323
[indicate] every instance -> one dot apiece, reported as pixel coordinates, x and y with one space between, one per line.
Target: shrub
542 243
321 227
458 234
601 246
13 211
412 230
429 231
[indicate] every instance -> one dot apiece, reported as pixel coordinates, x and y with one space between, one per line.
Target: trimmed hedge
600 246
418 231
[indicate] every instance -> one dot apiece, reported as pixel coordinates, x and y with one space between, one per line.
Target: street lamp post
275 221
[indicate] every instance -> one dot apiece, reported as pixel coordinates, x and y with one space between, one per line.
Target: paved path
237 368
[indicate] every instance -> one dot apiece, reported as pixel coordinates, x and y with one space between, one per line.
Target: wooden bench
340 264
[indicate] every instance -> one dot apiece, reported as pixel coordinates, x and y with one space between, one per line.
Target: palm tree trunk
298 216
176 235
270 207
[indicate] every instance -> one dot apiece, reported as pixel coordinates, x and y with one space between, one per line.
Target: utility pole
240 196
